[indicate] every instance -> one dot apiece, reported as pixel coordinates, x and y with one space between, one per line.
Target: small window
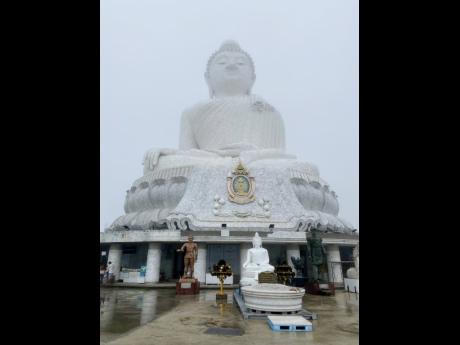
224 225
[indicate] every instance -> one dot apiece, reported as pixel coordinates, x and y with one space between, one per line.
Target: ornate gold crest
241 186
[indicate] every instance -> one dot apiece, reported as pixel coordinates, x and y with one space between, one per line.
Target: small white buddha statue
256 262
233 122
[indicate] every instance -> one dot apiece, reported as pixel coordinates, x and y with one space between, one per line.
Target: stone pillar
334 266
292 250
244 247
200 264
152 273
115 257
356 257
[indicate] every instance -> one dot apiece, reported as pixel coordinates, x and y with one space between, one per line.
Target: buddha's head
190 238
257 241
230 71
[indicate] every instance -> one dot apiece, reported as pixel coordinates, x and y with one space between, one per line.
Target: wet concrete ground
158 316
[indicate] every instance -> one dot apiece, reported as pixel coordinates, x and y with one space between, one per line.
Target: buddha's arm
248 260
279 132
266 259
254 155
187 142
186 137
152 156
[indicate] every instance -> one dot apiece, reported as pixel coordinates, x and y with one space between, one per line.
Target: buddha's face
257 243
230 74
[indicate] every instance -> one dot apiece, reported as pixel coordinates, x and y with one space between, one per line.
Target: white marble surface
178 186
257 261
132 236
273 297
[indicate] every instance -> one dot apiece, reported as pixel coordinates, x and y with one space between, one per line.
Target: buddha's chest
258 255
216 128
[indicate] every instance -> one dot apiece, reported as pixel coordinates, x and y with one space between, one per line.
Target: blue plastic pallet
281 326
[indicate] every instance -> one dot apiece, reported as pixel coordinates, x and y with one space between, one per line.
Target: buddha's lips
232 71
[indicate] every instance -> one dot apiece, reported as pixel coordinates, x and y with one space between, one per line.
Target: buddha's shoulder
191 111
261 105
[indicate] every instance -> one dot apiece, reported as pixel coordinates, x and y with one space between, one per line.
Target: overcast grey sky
154 54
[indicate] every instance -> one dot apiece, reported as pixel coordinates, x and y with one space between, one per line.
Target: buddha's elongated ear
206 78
253 80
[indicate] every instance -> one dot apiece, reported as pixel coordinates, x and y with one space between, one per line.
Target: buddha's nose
231 67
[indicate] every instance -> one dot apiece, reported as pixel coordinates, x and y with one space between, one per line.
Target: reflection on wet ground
123 310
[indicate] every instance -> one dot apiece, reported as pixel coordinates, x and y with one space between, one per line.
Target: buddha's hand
152 156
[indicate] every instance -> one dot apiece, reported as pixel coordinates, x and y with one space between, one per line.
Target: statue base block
315 289
187 286
221 298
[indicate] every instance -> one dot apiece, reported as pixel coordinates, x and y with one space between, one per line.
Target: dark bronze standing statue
317 258
317 255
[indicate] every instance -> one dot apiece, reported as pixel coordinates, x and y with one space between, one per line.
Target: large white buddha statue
257 261
233 120
186 188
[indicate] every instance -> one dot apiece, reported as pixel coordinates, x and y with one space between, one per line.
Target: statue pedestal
187 286
315 289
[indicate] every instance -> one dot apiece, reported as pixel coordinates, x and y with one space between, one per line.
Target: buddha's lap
256 267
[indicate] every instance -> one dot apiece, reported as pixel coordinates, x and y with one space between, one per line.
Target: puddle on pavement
122 310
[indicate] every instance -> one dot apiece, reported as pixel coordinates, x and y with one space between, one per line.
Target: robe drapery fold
225 122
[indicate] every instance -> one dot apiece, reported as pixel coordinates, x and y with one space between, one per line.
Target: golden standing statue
191 254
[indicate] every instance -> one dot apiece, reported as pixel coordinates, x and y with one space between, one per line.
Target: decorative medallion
241 186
